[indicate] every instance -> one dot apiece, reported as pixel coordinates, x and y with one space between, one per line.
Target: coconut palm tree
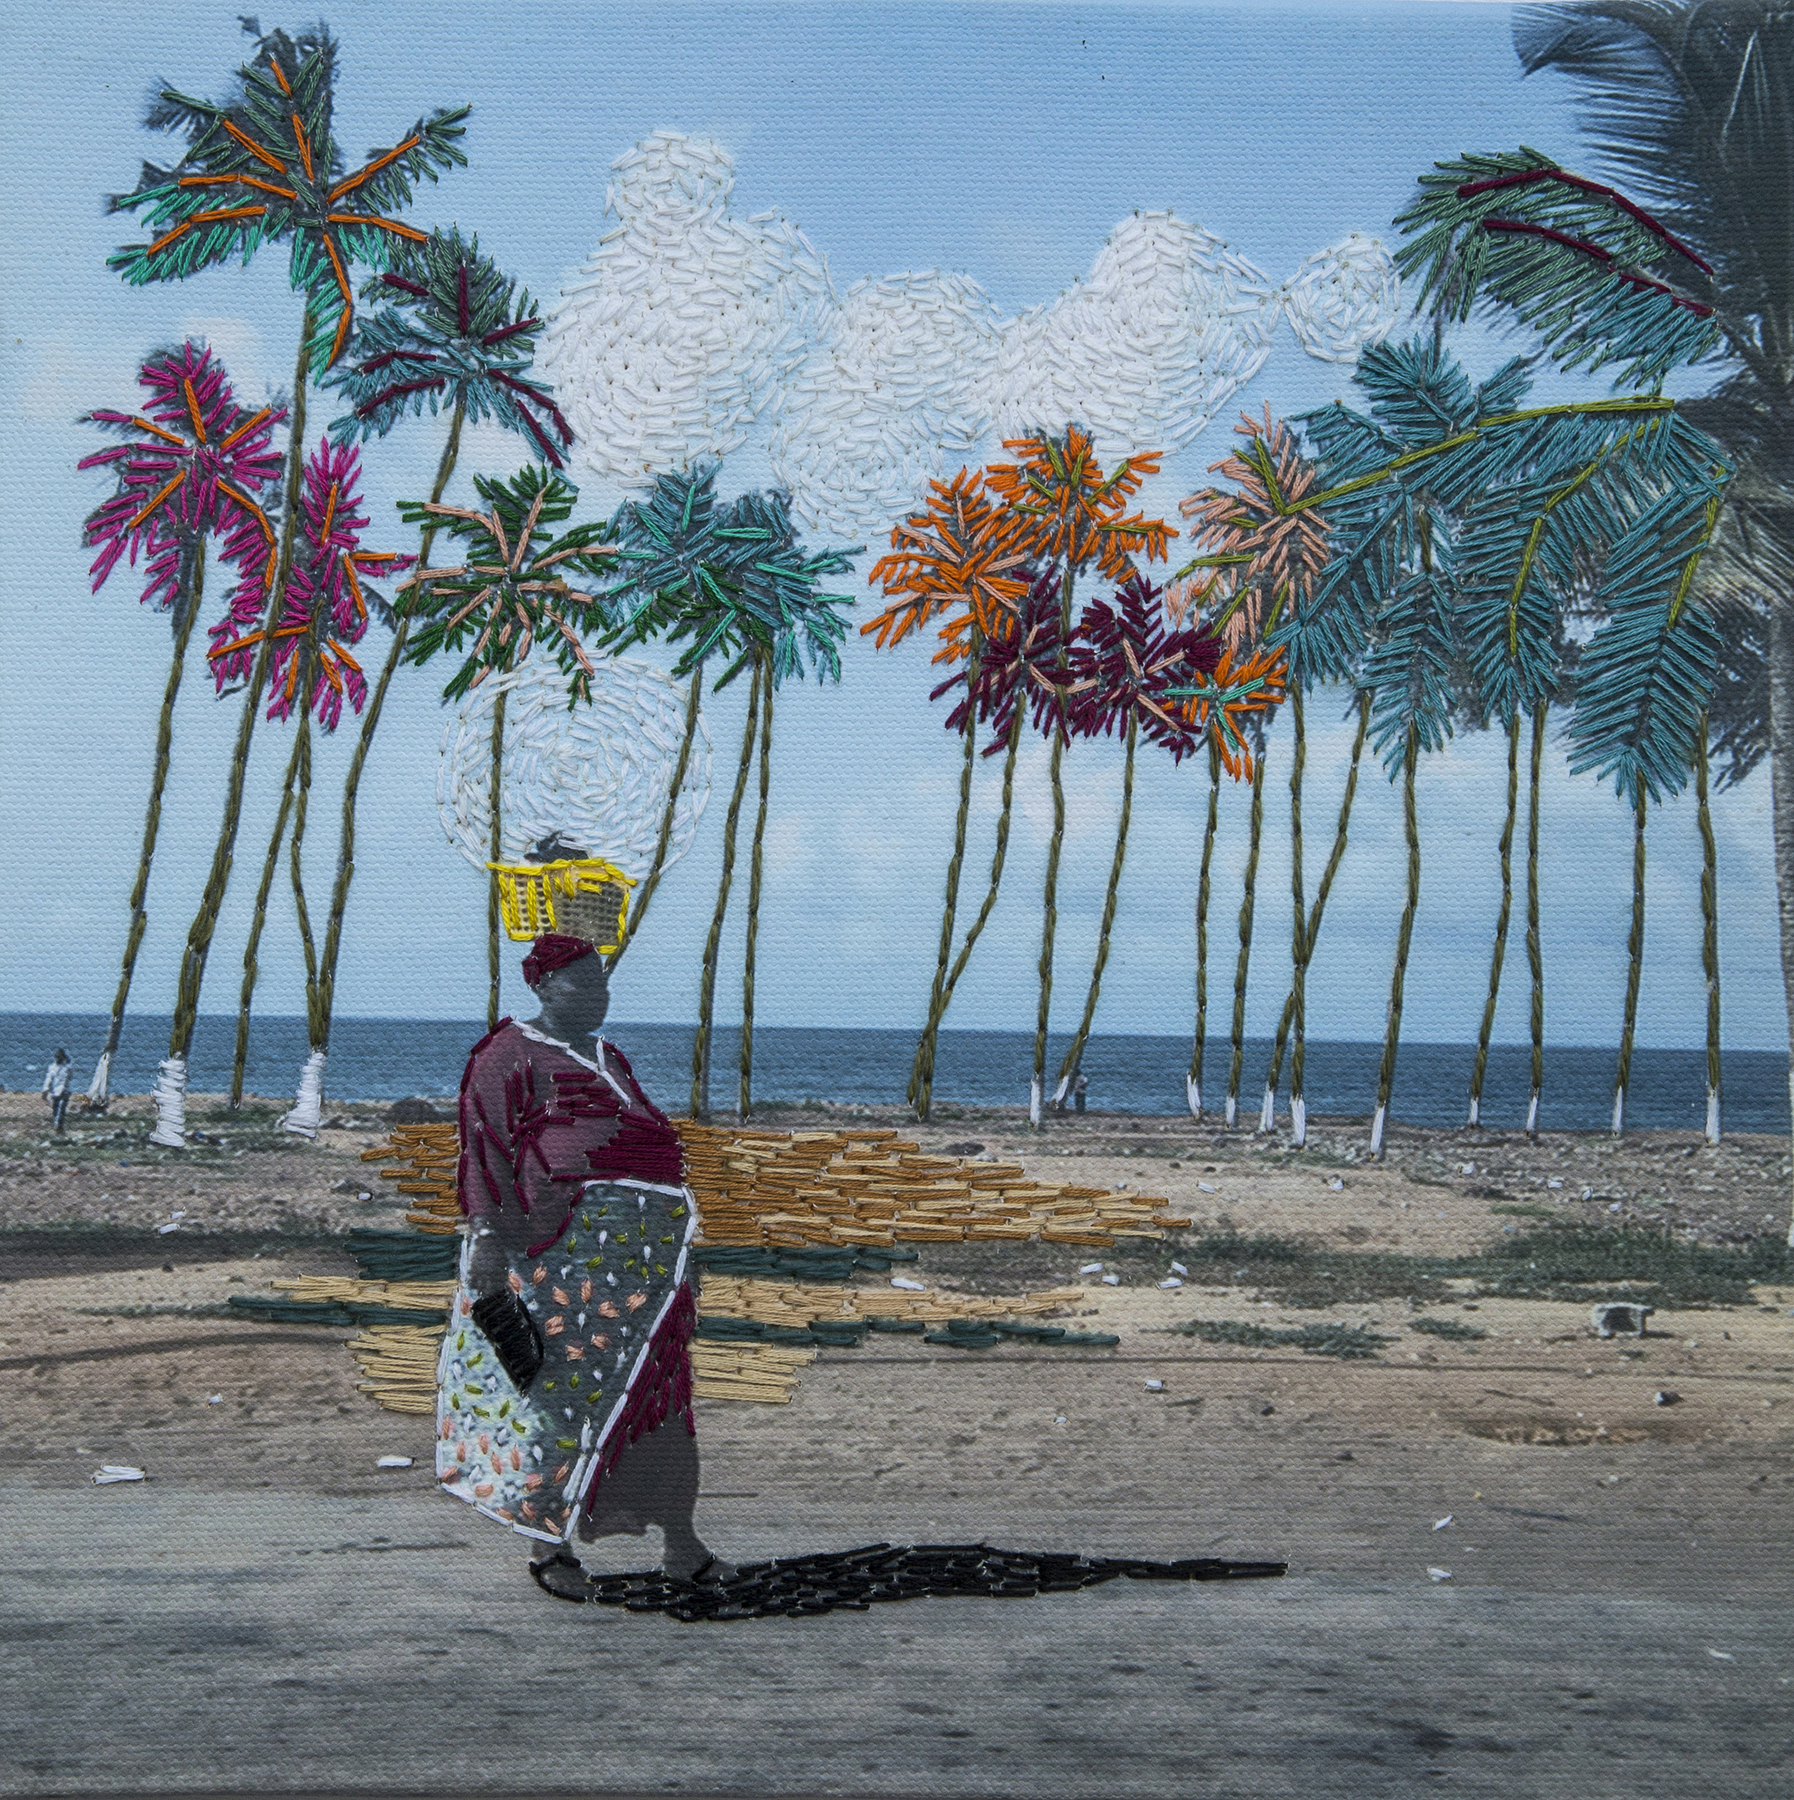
1268 554
1018 671
1597 276
1399 554
1230 708
730 580
1693 104
265 166
677 574
456 335
191 465
312 671
962 555
510 594
792 622
1074 517
1124 659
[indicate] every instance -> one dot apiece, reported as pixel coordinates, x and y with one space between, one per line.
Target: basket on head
583 898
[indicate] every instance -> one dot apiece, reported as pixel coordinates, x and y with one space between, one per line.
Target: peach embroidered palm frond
1266 550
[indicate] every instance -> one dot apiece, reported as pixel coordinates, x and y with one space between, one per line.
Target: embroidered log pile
841 1187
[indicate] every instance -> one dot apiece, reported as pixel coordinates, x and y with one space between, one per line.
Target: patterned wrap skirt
612 1300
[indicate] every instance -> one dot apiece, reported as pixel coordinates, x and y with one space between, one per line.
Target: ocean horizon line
1693 1047
384 1058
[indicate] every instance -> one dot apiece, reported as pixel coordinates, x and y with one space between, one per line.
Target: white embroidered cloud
1343 298
895 384
1168 324
671 344
688 324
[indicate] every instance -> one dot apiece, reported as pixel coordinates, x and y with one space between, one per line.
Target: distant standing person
1079 1089
56 1089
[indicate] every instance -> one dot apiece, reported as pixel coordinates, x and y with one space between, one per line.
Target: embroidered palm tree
510 595
1692 104
731 580
1019 672
1604 284
456 335
1123 661
264 166
962 558
1075 518
312 671
1231 709
1266 554
192 465
678 575
791 622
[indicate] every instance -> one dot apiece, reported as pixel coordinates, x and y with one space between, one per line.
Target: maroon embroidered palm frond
325 606
1122 660
1018 666
192 464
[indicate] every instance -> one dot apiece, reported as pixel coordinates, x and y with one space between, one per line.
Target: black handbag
513 1334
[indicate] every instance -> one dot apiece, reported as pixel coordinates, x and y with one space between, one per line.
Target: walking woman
564 1400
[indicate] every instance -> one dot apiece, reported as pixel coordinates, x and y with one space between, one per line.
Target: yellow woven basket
586 899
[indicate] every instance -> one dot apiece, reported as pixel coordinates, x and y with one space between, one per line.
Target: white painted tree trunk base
1193 1093
1376 1130
99 1089
171 1103
308 1106
1712 1115
1034 1103
1532 1115
1476 1107
1267 1113
1619 1111
1061 1091
1298 1120
1233 1110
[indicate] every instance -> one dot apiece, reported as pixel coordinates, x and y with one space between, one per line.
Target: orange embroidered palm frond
1222 706
962 550
1074 514
1265 555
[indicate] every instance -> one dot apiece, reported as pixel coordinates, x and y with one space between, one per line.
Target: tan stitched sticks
790 1189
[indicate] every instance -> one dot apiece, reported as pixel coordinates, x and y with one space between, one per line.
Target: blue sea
385 1059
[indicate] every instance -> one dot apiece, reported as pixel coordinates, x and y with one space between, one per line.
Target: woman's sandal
562 1576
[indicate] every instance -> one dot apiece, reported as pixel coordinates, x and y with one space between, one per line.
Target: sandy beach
1634 1532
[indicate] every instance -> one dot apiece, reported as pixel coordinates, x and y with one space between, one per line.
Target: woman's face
576 998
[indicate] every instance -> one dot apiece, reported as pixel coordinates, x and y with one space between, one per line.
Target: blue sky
1001 141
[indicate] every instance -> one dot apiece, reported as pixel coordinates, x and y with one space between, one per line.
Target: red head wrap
551 952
